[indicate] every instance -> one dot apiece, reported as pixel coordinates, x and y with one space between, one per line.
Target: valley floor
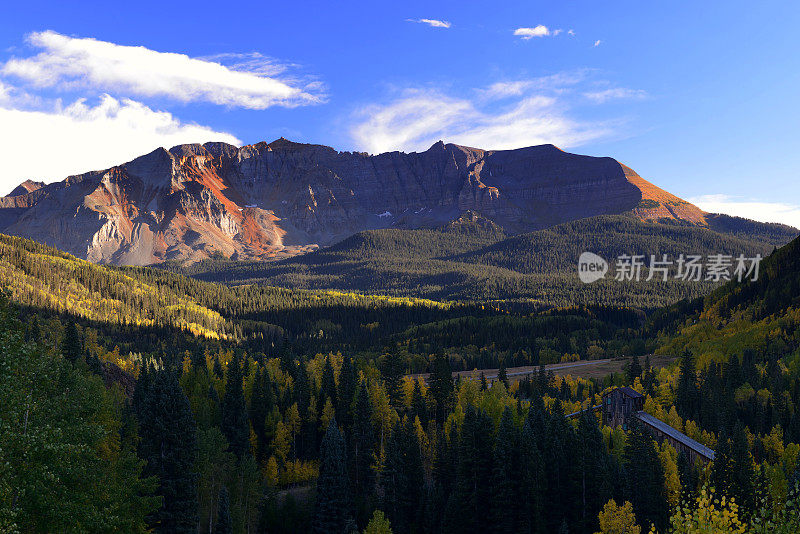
579 369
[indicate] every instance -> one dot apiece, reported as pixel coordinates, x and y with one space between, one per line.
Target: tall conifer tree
169 446
71 343
505 476
234 412
346 394
441 385
403 478
645 476
332 513
688 395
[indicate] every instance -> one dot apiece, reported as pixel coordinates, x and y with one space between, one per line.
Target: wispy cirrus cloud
509 114
82 136
70 62
555 83
616 93
433 23
758 210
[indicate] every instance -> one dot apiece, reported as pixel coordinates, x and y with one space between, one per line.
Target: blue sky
700 98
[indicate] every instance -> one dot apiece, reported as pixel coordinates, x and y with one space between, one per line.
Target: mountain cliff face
283 198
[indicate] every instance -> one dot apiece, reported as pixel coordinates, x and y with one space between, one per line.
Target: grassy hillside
471 260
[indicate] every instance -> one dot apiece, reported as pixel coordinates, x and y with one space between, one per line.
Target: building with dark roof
620 404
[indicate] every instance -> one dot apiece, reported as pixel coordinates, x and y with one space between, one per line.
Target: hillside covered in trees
761 315
472 259
295 412
149 310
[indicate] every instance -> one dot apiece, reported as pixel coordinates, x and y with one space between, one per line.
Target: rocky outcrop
282 198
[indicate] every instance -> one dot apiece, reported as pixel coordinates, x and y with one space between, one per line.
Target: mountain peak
280 198
28 186
284 144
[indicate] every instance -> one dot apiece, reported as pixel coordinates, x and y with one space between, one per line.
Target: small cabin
620 404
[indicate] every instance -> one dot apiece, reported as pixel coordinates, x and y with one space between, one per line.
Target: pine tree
742 471
562 500
474 474
532 480
419 408
217 369
327 389
721 469
346 394
224 524
234 412
94 365
169 447
635 369
332 512
71 343
688 394
363 442
441 385
645 476
402 478
261 404
541 380
141 391
392 372
595 472
505 476
501 374
302 395
362 446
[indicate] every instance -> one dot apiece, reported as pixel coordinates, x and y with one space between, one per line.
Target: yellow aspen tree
615 519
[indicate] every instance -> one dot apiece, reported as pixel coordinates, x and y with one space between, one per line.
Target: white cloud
418 118
571 32
54 143
597 42
69 62
552 83
432 22
528 33
618 93
757 210
10 95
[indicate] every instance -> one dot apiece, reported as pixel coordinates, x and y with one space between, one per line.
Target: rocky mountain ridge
274 200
